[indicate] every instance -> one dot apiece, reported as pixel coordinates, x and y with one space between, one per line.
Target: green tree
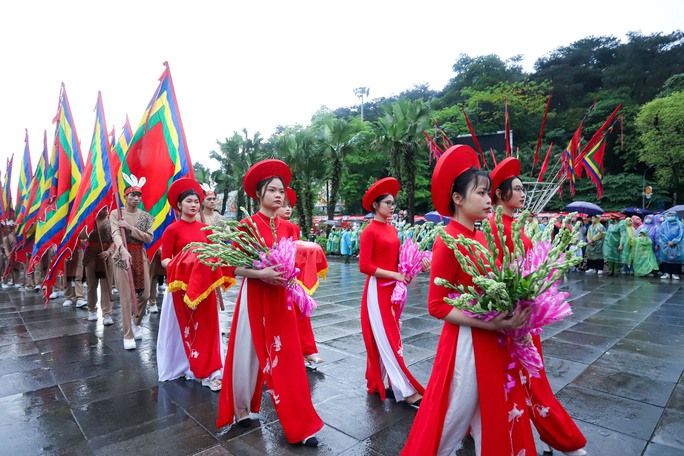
480 73
301 150
400 136
337 137
661 127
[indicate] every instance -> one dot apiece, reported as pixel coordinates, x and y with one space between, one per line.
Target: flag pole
115 190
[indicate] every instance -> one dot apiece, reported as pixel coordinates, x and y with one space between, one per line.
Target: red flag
434 149
491 151
541 134
507 129
545 165
475 141
598 136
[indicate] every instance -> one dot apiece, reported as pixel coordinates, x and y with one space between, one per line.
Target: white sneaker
137 331
154 309
162 287
115 291
590 271
675 277
81 303
129 344
18 285
107 320
599 272
92 316
4 285
67 302
37 288
665 276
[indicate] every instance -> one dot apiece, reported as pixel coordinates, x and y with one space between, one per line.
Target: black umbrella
636 211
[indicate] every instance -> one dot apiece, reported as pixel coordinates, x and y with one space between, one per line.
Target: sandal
213 384
315 359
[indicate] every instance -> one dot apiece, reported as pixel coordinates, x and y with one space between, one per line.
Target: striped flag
64 179
593 164
25 176
28 217
92 195
158 152
118 154
7 208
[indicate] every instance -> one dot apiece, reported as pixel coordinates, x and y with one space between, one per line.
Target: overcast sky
259 64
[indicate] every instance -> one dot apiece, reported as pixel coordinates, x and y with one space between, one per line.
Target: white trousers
401 385
172 362
463 409
245 360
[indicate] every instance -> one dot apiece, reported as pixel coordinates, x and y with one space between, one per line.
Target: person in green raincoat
595 235
626 243
645 262
611 242
356 232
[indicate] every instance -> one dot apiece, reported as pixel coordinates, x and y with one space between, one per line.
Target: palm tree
302 152
338 137
236 155
399 135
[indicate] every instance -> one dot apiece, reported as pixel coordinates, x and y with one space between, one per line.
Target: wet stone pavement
67 386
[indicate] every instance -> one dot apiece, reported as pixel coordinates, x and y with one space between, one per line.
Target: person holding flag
97 261
137 226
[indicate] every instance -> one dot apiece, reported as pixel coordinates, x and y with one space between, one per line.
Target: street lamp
643 188
361 92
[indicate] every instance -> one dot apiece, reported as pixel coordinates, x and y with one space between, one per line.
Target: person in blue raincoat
670 242
345 245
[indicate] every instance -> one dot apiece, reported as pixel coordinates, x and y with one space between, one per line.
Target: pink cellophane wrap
283 255
410 264
547 308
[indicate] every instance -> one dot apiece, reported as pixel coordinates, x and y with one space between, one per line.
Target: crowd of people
470 390
627 245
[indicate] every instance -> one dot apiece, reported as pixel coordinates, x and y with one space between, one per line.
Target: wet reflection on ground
67 386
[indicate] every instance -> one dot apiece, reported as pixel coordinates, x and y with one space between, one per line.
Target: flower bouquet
239 244
521 281
411 256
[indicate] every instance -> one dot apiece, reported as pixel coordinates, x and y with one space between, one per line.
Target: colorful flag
593 163
64 180
92 195
118 153
545 164
25 176
28 217
597 137
159 153
434 149
541 134
507 128
7 209
446 143
475 141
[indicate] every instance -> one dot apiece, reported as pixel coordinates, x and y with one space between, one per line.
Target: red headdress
180 186
264 170
454 162
386 186
291 196
507 168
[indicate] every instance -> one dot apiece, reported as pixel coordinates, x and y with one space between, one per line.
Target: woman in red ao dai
378 259
466 387
552 421
264 341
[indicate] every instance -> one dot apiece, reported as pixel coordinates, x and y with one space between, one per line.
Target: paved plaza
68 387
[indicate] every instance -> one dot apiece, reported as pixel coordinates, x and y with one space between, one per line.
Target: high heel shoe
546 448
